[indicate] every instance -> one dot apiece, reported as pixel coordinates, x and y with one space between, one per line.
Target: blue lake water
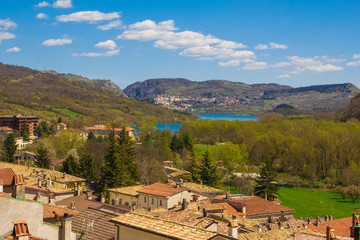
174 127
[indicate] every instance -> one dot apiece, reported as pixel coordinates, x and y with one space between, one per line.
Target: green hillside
47 95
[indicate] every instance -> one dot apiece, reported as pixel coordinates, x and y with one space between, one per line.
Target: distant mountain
221 96
49 96
99 83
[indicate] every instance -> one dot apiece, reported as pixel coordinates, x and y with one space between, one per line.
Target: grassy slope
319 203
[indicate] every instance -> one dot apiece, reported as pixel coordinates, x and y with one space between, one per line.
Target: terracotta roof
132 190
57 161
31 178
6 129
81 203
97 222
201 188
49 209
230 209
341 226
161 189
163 227
21 228
258 206
7 176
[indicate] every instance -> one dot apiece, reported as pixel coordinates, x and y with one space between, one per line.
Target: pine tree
266 184
127 153
175 144
87 166
42 159
187 141
9 147
91 136
25 132
195 167
209 171
112 172
70 166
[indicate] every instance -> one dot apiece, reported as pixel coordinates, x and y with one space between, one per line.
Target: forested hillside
27 91
220 96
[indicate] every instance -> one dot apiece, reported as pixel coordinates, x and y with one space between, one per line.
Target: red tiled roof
49 209
230 209
6 129
161 189
7 176
57 161
341 226
81 203
21 228
257 206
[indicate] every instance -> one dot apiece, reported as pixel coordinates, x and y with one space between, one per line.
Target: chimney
328 232
66 229
184 205
51 198
21 230
89 196
78 189
204 212
49 182
39 182
72 206
233 225
227 195
102 199
18 187
354 219
195 197
357 233
52 168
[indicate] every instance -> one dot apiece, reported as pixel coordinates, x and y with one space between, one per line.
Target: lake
174 127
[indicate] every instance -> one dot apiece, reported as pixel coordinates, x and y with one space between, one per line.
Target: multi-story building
17 122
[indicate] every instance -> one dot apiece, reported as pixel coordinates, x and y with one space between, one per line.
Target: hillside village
44 203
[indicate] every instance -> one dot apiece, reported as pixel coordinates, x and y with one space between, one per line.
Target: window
160 202
144 199
120 201
152 201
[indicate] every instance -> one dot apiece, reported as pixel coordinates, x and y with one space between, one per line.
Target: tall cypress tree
42 159
87 167
195 167
25 132
127 153
9 147
70 166
266 184
209 171
187 141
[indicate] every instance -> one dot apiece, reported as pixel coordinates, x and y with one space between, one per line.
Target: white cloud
312 64
41 16
353 64
94 54
6 35
255 66
43 4
332 60
63 4
6 24
57 42
283 76
281 64
193 44
56 4
88 16
109 44
111 25
230 63
14 49
272 45
261 47
356 56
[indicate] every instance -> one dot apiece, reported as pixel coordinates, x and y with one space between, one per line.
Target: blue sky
297 43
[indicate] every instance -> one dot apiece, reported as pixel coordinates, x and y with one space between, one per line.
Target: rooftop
258 206
230 209
132 190
18 153
161 189
48 210
163 227
341 226
201 188
31 174
81 202
6 176
6 129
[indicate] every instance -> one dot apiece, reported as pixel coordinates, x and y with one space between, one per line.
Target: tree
91 136
25 131
127 153
87 167
70 166
353 192
187 141
232 155
209 171
42 159
266 184
59 120
9 147
195 167
175 144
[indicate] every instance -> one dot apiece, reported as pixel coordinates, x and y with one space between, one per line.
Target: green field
68 112
318 203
